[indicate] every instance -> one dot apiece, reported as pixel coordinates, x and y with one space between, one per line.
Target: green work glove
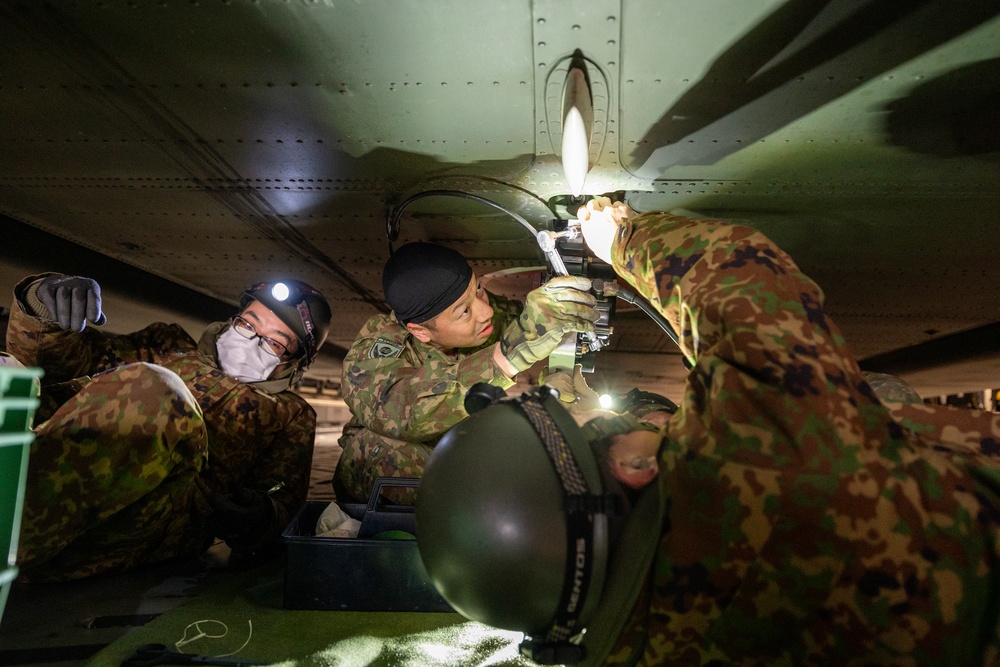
558 307
573 389
71 301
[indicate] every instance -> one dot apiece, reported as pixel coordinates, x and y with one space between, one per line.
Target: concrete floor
62 625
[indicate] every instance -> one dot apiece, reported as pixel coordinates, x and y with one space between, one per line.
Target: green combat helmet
303 309
512 523
891 388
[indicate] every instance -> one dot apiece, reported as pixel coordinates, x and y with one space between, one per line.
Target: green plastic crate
18 401
18 382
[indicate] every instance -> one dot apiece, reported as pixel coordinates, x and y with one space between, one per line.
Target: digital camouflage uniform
134 433
804 522
404 395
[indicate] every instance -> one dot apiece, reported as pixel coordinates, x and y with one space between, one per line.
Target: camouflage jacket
803 521
256 439
402 388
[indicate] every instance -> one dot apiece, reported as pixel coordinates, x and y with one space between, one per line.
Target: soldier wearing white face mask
242 358
150 445
271 338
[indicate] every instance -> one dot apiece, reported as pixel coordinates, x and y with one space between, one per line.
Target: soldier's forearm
502 363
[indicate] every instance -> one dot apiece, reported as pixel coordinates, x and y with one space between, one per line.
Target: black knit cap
421 279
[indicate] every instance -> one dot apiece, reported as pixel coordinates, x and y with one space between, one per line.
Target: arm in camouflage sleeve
65 355
405 399
284 466
720 283
791 486
714 280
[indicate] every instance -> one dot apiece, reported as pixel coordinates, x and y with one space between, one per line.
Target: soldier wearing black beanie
406 376
421 279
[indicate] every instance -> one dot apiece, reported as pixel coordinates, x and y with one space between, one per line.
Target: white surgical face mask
243 358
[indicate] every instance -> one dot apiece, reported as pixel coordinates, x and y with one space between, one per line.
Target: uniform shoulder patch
383 347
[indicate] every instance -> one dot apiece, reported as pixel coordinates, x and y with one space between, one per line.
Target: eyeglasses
636 463
269 345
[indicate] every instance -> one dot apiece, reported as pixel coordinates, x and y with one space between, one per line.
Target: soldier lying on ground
149 445
406 376
795 518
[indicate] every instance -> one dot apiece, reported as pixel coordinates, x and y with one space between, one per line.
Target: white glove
599 221
335 522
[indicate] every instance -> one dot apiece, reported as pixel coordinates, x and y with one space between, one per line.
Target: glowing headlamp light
280 291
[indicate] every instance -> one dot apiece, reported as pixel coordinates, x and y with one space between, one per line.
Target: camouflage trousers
368 456
111 477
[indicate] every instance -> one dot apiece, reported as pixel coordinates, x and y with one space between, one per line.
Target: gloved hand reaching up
558 307
72 301
245 519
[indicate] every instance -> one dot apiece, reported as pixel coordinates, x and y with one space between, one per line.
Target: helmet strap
307 324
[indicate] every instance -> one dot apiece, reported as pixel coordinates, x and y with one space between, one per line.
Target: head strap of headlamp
581 506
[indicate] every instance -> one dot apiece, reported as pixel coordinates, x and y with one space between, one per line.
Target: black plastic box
358 574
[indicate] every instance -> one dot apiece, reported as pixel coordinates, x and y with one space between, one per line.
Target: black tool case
362 573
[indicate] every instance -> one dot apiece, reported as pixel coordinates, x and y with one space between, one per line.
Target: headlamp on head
280 291
299 306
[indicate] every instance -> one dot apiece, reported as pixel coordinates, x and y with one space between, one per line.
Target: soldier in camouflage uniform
407 373
149 445
795 520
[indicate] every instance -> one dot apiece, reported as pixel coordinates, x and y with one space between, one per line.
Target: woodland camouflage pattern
404 395
135 432
808 523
